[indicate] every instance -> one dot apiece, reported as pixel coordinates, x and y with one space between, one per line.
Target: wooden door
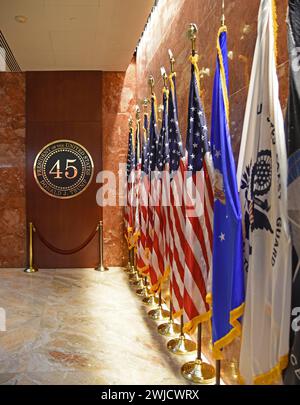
63 105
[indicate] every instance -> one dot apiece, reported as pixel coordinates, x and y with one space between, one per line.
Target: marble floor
78 326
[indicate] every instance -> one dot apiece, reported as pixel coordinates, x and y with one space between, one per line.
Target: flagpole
133 273
135 280
218 362
181 345
223 13
151 299
218 372
169 328
145 289
197 371
160 314
130 266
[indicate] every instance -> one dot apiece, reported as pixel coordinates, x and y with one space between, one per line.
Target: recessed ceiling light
21 19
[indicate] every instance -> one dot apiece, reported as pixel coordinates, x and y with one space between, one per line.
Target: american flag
136 190
163 165
143 256
128 214
177 209
158 251
199 209
151 167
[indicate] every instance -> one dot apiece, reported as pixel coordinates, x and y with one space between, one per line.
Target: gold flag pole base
158 314
151 300
128 268
134 277
131 271
143 292
199 372
137 284
101 268
169 328
181 346
30 270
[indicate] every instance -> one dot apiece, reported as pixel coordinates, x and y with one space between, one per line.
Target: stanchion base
199 372
151 300
137 284
134 277
169 329
128 268
101 268
181 346
158 314
143 292
131 272
30 270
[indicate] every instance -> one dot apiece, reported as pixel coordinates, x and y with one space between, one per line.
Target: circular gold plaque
63 169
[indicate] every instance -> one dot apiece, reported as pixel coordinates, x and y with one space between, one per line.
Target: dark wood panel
66 224
63 96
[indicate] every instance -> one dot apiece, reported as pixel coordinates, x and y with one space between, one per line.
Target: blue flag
228 276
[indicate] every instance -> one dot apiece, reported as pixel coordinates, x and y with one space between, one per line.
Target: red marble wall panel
119 93
167 29
12 170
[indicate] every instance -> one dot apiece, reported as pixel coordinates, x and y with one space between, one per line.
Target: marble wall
12 170
167 29
119 95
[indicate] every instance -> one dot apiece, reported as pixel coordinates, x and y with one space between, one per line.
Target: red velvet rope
69 251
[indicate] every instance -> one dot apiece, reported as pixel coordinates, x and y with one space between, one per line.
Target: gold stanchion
197 371
30 268
158 314
101 266
169 328
181 345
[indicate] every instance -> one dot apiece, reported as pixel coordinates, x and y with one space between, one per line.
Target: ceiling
74 34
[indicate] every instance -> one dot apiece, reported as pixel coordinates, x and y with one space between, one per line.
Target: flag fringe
144 271
172 87
270 377
236 331
191 326
157 286
132 239
177 314
194 61
274 374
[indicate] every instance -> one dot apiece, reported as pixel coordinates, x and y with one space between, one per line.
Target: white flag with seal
262 177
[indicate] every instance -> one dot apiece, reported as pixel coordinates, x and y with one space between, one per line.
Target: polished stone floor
80 327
